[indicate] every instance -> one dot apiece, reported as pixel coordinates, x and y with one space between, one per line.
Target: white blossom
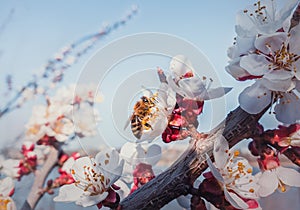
187 84
9 167
6 190
93 178
234 174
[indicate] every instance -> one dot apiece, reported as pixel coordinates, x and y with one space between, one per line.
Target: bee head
145 99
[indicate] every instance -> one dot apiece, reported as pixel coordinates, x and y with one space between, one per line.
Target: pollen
283 188
251 190
249 170
106 162
236 153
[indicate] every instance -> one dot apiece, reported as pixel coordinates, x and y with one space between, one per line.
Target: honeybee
142 114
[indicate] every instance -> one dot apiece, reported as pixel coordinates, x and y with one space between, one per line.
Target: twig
35 193
61 64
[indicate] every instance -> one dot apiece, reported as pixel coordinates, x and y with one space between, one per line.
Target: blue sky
36 30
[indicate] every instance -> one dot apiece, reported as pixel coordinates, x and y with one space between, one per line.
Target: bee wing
127 122
147 92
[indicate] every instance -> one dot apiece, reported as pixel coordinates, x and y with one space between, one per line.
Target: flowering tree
209 171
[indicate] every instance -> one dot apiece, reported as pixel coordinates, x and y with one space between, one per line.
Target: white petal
289 176
235 200
79 164
268 182
214 170
86 200
68 165
68 193
235 70
184 201
166 97
108 159
297 69
287 11
295 143
273 40
158 124
214 93
10 168
295 39
6 186
220 152
132 152
192 87
287 110
61 137
255 98
175 87
124 189
245 44
153 154
180 65
256 65
278 75
244 26
278 85
116 173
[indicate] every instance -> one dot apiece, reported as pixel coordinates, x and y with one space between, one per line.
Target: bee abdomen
136 127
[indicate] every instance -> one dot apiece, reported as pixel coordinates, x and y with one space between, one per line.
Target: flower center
4 203
235 171
260 14
282 59
93 182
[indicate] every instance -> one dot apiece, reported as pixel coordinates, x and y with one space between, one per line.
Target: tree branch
35 193
177 180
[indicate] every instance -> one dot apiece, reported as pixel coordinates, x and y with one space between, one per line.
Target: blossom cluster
16 168
234 174
62 117
266 50
179 102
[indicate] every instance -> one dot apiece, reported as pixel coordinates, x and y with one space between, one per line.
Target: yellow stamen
236 153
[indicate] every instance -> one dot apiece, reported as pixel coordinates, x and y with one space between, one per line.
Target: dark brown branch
177 180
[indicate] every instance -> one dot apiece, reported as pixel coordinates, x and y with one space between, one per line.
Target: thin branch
60 64
36 193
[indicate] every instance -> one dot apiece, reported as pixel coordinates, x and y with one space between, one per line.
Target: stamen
281 186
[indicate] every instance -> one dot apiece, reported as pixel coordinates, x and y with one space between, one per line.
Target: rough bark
177 180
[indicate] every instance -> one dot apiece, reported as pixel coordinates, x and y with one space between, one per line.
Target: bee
143 112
